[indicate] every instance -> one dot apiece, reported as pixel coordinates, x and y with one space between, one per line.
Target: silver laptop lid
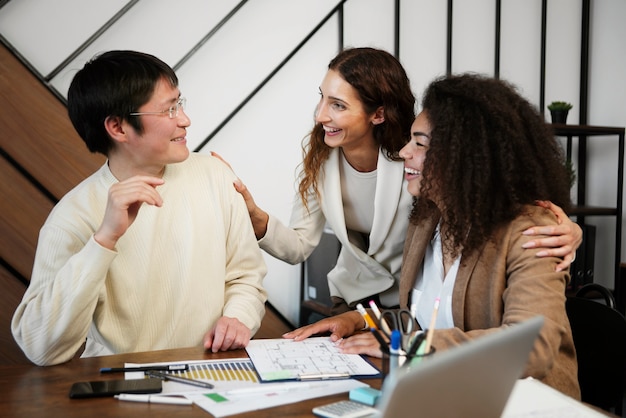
474 379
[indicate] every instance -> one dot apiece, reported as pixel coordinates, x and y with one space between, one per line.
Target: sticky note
216 397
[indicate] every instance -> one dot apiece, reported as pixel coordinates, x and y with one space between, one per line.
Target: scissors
403 321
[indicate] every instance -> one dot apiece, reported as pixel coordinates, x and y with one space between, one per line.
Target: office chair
315 301
599 332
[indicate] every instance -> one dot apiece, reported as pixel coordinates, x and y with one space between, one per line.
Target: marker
172 400
394 351
179 379
170 368
381 320
368 319
384 347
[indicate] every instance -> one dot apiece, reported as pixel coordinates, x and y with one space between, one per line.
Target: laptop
474 379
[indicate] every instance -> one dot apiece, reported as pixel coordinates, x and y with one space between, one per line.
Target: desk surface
28 390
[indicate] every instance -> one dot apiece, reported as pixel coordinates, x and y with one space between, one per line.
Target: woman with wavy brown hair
352 181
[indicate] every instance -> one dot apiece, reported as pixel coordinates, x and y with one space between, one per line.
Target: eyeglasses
172 112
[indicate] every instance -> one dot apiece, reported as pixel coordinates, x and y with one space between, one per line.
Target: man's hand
227 334
123 203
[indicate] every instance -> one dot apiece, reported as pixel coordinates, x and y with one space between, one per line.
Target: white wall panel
154 27
369 23
607 91
563 54
473 40
47 32
423 43
520 62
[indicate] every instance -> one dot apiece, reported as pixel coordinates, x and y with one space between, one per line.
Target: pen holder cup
393 361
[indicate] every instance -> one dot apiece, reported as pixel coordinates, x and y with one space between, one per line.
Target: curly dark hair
380 80
491 152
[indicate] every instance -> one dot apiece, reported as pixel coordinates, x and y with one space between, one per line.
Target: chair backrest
599 333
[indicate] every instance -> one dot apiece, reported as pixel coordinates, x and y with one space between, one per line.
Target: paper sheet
531 398
282 359
233 378
222 405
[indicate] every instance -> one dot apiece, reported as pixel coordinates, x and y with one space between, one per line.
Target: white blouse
426 291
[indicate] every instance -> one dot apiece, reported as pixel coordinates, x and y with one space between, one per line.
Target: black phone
115 387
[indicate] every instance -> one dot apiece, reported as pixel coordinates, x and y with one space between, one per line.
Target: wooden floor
274 325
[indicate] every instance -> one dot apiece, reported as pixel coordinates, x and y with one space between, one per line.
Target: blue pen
394 351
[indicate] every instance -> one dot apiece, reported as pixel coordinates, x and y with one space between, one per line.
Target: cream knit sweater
175 271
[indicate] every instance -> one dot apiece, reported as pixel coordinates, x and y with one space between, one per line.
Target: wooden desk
31 391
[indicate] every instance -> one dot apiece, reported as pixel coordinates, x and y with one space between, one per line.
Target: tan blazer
503 284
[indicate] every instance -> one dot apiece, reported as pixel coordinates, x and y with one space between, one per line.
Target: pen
384 347
171 367
368 320
430 332
154 399
179 379
268 388
381 320
323 376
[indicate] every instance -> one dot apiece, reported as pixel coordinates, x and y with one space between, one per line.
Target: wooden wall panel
23 210
10 297
36 131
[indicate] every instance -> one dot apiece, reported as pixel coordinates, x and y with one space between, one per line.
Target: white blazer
357 274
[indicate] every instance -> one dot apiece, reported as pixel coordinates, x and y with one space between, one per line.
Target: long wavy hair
491 152
380 80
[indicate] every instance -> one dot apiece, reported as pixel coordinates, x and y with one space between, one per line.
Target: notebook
474 379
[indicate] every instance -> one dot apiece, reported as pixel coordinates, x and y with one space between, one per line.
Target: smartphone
115 387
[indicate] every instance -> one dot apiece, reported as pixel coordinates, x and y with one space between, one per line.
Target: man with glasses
153 251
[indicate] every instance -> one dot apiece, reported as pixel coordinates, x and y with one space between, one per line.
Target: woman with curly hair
478 158
352 181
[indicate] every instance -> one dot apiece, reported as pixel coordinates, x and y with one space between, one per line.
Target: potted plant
558 111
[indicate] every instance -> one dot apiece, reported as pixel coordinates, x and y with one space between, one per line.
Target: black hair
115 83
